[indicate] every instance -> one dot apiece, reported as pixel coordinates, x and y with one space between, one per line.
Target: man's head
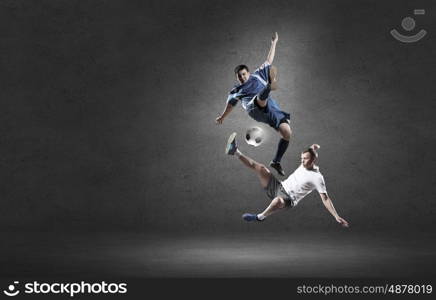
309 156
242 73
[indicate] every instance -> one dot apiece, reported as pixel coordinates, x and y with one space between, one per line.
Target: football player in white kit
291 191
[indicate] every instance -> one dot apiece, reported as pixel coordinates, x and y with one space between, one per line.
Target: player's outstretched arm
227 110
329 205
272 50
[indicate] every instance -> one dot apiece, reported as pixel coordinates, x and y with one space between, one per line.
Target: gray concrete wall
108 112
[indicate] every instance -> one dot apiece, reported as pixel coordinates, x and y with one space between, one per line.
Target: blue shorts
271 114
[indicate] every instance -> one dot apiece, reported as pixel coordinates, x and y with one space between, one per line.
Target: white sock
261 217
238 153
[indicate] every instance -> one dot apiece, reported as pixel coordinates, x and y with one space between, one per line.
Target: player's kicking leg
262 97
262 172
264 177
284 128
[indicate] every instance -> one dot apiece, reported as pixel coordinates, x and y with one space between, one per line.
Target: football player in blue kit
253 92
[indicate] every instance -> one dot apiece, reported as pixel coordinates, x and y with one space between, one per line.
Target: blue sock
281 149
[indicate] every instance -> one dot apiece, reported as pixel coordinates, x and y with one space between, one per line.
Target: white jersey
302 182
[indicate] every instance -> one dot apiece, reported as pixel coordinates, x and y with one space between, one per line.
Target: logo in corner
408 25
11 291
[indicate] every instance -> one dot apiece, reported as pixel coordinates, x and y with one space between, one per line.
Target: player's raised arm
272 50
329 205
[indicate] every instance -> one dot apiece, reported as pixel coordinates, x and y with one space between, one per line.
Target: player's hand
220 119
275 38
343 222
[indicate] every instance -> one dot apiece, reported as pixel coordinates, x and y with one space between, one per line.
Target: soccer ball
254 136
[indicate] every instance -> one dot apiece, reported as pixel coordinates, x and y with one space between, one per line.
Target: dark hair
240 68
312 150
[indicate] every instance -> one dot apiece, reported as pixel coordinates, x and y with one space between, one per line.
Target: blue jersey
248 90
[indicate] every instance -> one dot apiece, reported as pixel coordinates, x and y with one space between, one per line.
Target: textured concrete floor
304 255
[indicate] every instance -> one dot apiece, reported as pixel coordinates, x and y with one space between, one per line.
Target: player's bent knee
286 136
279 202
260 102
289 130
285 131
